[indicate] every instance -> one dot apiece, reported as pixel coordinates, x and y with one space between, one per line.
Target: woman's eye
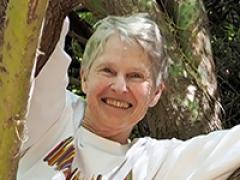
107 70
136 75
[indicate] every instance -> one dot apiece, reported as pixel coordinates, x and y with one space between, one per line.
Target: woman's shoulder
73 99
77 104
152 143
156 149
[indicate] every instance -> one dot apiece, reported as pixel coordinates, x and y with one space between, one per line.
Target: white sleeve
48 98
212 156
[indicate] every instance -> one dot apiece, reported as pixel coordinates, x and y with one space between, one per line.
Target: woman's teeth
117 103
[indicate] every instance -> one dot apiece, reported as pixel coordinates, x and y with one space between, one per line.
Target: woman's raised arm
48 99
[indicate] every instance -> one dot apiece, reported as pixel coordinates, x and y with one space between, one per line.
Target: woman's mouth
117 103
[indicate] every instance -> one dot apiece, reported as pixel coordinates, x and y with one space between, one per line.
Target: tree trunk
20 25
190 106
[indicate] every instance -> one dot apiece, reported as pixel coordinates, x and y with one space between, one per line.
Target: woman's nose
119 84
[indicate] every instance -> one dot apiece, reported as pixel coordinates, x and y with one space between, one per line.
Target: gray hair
138 28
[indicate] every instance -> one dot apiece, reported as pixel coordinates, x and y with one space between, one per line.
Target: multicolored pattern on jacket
61 158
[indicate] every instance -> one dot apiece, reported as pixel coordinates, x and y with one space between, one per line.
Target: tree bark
190 106
19 36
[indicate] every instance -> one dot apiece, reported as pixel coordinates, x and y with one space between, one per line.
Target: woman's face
119 86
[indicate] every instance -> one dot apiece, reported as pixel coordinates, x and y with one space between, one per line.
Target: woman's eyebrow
140 70
104 64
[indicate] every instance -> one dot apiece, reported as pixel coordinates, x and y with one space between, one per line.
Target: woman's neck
120 136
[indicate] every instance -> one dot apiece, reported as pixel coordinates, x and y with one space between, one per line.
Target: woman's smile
121 104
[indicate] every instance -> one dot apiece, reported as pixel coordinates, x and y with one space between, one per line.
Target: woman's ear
157 94
83 80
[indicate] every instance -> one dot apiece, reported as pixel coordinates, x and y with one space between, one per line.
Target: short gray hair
138 28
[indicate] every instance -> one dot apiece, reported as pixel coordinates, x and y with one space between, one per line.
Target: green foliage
88 17
224 19
145 4
189 12
177 70
77 50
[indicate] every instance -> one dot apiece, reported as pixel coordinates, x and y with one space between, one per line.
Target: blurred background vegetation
224 17
224 27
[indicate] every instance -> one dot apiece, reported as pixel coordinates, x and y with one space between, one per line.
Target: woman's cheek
142 90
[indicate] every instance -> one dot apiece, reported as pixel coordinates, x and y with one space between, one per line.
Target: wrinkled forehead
117 46
120 42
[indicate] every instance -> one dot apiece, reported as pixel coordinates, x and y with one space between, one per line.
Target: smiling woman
123 71
119 88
